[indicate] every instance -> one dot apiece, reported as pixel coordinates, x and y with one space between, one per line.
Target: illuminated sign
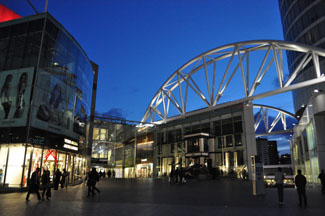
70 147
144 160
70 142
6 14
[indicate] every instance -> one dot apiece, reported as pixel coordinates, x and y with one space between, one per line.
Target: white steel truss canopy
269 124
208 77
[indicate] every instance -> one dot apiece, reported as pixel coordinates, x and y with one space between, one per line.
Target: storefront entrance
144 170
14 170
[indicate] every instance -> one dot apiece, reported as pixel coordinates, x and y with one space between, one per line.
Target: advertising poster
57 105
15 91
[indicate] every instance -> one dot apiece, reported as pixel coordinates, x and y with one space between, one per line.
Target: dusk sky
138 44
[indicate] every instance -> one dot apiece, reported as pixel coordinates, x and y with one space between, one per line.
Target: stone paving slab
157 197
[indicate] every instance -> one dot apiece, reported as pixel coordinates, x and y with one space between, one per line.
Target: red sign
6 14
53 154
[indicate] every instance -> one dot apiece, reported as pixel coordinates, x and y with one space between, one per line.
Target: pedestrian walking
176 175
93 178
113 174
46 183
182 176
34 184
300 181
321 176
279 177
57 179
171 176
64 175
109 173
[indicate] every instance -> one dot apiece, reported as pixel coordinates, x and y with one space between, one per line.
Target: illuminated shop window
96 134
103 134
49 157
3 160
15 162
61 160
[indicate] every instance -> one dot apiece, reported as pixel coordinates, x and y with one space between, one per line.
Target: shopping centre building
303 22
222 138
46 82
119 145
225 137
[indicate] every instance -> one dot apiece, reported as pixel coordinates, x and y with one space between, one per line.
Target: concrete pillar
249 131
201 160
213 160
187 162
201 144
211 145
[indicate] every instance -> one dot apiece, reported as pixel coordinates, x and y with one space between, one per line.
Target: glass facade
41 62
112 148
303 22
306 145
216 136
16 171
144 154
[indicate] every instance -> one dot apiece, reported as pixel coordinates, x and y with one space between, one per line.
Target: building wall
263 150
273 152
45 91
112 148
230 141
307 145
303 21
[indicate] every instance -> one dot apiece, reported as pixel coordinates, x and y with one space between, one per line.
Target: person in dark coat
46 183
57 179
34 184
93 178
100 174
181 176
321 176
171 176
64 175
300 181
176 175
279 179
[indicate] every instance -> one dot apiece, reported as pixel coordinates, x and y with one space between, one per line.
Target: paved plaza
157 197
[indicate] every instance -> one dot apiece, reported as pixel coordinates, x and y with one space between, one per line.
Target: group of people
300 182
92 178
109 174
177 176
34 183
60 179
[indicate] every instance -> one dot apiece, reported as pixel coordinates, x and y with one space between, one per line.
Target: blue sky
138 44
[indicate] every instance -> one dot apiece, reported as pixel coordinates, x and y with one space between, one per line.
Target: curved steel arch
164 97
263 115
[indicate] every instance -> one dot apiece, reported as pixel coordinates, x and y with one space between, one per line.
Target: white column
249 131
